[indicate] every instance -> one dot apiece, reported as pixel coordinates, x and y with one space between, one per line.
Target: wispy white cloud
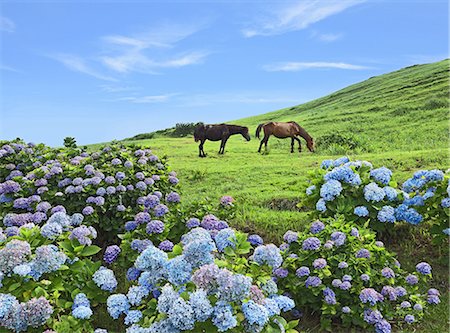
147 53
298 66
131 53
9 69
114 88
147 99
78 64
326 37
296 16
197 100
7 24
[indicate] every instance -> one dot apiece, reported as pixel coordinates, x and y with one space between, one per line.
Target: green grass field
399 120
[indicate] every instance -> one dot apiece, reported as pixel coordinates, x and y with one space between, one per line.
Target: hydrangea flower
313 281
111 254
200 305
117 304
423 268
290 236
371 296
321 205
104 278
382 175
255 240
311 244
316 227
268 254
330 190
373 193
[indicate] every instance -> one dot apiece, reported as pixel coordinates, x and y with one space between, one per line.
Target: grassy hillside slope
402 110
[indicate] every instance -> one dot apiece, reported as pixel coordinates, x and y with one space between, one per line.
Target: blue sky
104 70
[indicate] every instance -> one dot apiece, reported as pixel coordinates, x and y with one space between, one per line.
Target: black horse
216 133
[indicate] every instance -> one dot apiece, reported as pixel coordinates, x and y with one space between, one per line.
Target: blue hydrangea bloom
178 270
373 193
117 304
223 317
316 227
321 205
255 313
181 315
268 254
361 211
382 175
201 305
386 214
224 238
136 294
330 190
132 317
104 278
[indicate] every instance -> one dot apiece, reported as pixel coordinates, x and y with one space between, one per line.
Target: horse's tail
258 130
200 128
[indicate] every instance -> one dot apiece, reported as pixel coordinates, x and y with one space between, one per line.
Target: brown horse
285 130
219 132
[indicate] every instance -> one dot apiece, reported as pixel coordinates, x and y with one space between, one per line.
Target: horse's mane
302 131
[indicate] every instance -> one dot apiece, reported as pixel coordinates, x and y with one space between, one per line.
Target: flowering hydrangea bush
429 194
361 192
342 271
110 186
205 283
42 268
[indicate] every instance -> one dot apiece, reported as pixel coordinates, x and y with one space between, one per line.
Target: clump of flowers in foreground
361 192
342 271
42 268
205 284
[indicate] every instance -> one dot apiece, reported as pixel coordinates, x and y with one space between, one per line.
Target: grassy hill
402 110
399 120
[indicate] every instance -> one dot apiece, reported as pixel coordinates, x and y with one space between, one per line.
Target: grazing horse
219 132
285 130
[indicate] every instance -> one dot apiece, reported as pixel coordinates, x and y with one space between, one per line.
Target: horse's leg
260 145
299 145
292 144
224 142
266 139
202 152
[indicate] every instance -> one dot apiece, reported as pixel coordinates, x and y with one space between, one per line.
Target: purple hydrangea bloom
155 227
363 253
281 272
290 236
423 268
193 223
319 263
166 245
317 227
387 273
161 210
255 240
302 271
338 238
313 281
111 254
173 197
371 296
311 244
